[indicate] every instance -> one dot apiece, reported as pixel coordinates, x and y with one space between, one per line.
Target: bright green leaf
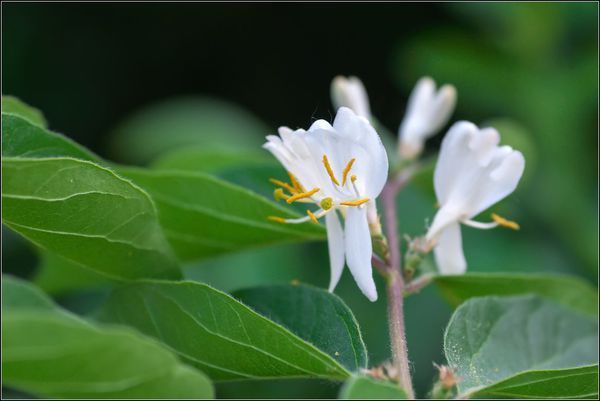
87 214
182 122
59 356
203 216
313 314
15 106
22 138
367 388
567 290
211 330
492 339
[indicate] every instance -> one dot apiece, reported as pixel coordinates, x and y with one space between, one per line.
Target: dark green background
529 69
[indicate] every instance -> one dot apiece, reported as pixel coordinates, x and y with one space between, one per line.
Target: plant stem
395 284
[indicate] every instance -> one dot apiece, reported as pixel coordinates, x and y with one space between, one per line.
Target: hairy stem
395 284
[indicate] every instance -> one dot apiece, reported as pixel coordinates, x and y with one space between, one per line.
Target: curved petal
359 251
335 243
350 92
448 251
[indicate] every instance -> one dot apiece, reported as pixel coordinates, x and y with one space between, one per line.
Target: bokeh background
131 81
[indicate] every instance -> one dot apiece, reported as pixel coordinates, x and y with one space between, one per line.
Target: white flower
339 168
472 174
350 92
426 114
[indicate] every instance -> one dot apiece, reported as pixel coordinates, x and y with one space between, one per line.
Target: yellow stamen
302 195
329 170
312 216
504 222
357 202
277 219
326 203
295 183
278 194
283 185
347 170
353 178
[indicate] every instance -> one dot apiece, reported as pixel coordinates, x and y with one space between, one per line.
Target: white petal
444 217
448 251
335 243
350 92
359 251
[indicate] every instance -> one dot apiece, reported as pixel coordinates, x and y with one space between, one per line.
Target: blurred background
134 81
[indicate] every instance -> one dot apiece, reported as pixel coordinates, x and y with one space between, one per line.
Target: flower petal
448 251
350 92
335 243
359 251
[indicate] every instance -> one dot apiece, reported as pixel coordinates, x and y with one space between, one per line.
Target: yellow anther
279 194
329 170
302 195
277 219
353 178
505 223
283 185
347 170
326 203
357 202
312 216
295 183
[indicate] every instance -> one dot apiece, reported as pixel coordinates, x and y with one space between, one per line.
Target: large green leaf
182 122
51 353
567 290
521 339
211 330
87 214
367 388
22 138
203 216
315 315
15 106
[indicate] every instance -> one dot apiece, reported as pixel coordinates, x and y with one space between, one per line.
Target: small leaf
57 275
22 138
183 122
15 106
203 216
492 339
87 214
367 388
566 290
216 333
313 314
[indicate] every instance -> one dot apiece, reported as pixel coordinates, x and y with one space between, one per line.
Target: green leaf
211 330
315 315
87 214
56 355
22 138
15 106
552 384
364 387
181 122
566 290
492 339
18 294
203 216
57 275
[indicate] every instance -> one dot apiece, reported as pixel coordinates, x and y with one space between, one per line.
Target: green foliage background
134 83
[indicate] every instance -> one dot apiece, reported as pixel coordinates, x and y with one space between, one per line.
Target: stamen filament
283 185
295 183
302 195
277 219
357 202
504 222
330 170
347 170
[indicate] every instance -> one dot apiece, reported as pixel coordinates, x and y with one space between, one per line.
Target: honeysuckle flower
339 169
472 174
427 112
350 92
